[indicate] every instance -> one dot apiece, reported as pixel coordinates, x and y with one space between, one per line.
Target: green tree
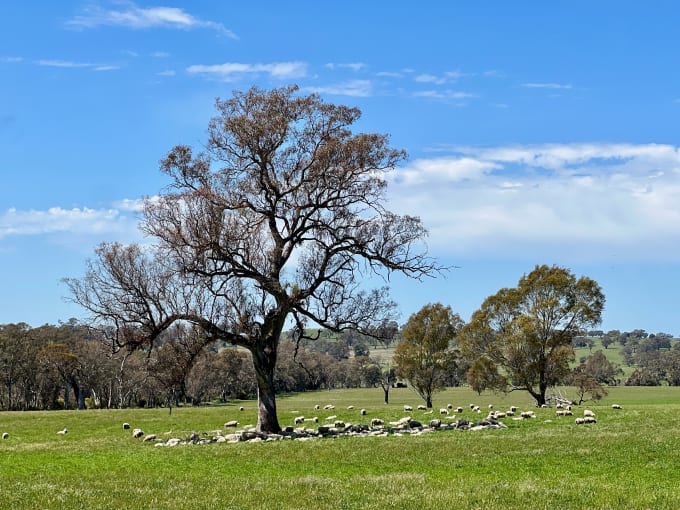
279 219
522 337
425 355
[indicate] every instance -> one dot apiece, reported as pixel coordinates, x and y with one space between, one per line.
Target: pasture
628 459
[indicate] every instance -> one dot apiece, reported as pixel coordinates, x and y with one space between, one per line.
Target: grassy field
628 459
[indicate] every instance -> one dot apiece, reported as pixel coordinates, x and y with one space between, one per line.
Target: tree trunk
264 362
386 391
428 401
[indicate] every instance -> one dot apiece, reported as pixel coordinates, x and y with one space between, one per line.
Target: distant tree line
70 366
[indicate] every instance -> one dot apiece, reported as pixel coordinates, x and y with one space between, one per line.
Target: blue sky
537 132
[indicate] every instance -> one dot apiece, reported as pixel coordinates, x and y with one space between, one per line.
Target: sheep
149 437
241 408
317 407
490 406
459 409
137 433
476 409
616 406
65 431
589 419
421 407
5 435
513 409
328 407
339 424
449 406
435 424
363 412
376 422
588 413
472 406
126 426
563 412
299 420
350 408
527 414
232 423
408 408
443 410
580 421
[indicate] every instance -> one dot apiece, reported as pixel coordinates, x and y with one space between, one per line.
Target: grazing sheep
435 424
328 407
149 437
513 409
137 433
5 435
459 409
315 419
241 408
449 406
317 407
126 426
339 424
589 419
472 406
350 407
421 407
65 431
563 412
588 413
476 409
375 422
232 423
616 406
333 417
580 421
408 408
490 406
443 410
527 414
299 420
363 412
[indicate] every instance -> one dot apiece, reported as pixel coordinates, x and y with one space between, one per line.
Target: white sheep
513 409
317 407
65 431
588 413
443 410
126 426
350 407
449 406
408 408
299 420
490 406
421 407
137 433
5 435
363 412
241 408
376 422
616 406
328 407
459 409
232 423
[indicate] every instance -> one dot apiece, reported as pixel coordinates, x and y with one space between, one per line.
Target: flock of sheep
377 425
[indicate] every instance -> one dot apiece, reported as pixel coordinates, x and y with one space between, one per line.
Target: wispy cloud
232 71
584 201
454 96
168 72
10 60
69 64
129 15
160 54
353 88
356 66
551 86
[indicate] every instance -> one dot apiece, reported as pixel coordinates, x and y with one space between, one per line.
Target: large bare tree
280 219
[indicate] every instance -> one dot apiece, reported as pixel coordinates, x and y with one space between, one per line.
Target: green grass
627 460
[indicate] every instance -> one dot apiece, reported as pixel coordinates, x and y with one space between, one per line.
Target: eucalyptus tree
521 338
279 219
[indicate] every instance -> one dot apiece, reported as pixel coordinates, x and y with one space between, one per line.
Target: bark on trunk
386 391
264 362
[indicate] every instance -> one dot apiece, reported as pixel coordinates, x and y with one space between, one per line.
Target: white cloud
160 54
429 78
585 201
231 71
69 64
10 60
355 66
354 88
445 95
130 15
57 220
168 72
551 86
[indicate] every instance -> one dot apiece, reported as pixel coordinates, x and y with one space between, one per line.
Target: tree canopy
521 338
281 217
425 355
